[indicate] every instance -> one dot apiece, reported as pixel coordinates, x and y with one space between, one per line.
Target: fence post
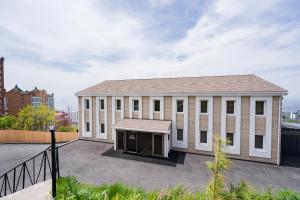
53 149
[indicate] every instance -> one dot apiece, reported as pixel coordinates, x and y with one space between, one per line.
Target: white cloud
230 37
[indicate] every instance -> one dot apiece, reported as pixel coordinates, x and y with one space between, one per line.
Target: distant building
74 117
2 90
16 99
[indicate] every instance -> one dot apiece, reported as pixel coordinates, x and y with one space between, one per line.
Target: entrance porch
145 137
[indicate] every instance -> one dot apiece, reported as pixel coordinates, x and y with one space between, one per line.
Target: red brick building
2 90
16 99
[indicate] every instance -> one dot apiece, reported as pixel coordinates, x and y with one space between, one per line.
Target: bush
67 129
8 122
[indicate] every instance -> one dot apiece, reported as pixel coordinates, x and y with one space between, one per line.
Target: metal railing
30 172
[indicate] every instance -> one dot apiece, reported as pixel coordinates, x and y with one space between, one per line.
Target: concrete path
40 191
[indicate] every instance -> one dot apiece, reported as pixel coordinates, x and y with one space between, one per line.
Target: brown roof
186 85
159 126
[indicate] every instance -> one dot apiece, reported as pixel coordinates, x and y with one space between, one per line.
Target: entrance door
131 141
121 140
144 143
158 145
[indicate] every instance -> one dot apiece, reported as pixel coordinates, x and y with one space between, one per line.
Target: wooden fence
20 136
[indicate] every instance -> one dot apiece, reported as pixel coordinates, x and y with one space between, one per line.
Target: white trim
201 146
267 143
175 142
83 128
241 93
98 126
113 113
141 130
151 107
235 149
131 98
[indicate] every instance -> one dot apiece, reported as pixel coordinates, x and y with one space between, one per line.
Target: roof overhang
144 125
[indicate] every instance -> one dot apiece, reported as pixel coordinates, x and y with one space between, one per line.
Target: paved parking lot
84 159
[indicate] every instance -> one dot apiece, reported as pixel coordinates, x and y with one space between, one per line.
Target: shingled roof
185 85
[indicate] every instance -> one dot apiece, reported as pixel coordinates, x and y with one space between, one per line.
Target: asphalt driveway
84 159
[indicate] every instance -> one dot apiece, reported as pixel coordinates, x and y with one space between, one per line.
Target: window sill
179 112
260 115
203 113
230 114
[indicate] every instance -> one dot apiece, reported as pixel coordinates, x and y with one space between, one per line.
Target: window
135 105
203 107
87 104
180 106
259 141
229 139
259 108
180 134
156 105
230 107
35 101
102 128
203 137
102 104
87 127
118 104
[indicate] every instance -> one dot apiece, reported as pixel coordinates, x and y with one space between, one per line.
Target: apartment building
17 98
152 116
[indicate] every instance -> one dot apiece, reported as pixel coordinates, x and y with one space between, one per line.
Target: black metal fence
30 172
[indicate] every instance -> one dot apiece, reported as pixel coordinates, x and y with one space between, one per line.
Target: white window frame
151 107
114 110
98 126
235 149
266 152
264 115
83 124
209 145
175 143
131 107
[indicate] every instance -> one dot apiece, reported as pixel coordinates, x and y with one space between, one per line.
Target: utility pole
53 149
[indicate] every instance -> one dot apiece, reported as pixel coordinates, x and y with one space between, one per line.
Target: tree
221 163
8 122
36 118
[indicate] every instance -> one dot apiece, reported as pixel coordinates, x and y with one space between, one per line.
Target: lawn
68 188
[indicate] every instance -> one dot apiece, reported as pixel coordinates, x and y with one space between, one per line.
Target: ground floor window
203 137
179 134
87 127
259 141
102 128
229 139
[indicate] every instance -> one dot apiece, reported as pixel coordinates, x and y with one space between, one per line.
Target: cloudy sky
64 45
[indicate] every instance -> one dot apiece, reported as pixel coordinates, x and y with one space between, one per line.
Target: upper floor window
179 105
203 106
156 105
35 101
87 104
135 105
260 108
102 104
118 104
230 107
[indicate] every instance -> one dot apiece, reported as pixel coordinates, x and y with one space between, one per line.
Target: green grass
68 188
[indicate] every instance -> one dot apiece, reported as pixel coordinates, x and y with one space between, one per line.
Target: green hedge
68 188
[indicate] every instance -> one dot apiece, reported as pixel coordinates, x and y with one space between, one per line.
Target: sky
64 46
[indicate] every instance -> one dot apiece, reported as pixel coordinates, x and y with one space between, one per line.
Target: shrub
8 122
67 129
